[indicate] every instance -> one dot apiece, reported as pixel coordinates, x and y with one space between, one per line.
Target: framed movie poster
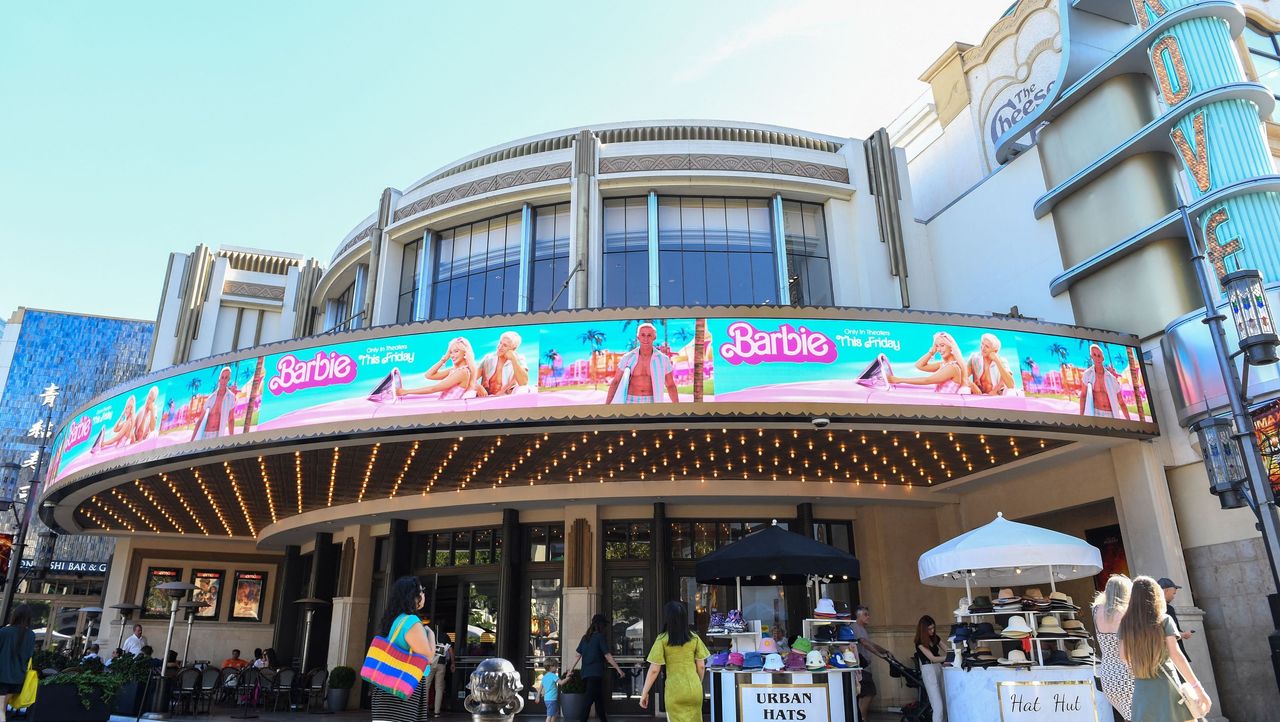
209 590
248 592
155 603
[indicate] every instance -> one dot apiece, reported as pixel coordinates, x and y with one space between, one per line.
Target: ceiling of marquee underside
240 497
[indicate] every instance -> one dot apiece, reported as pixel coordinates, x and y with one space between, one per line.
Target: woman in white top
1109 607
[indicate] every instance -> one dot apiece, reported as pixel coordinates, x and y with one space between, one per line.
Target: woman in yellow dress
685 658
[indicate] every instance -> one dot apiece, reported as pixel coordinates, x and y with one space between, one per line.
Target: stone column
582 578
351 611
1153 546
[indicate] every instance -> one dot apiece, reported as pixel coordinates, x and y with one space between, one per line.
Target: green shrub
574 684
103 685
49 659
341 677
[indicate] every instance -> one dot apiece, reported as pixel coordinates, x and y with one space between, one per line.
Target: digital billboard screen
603 362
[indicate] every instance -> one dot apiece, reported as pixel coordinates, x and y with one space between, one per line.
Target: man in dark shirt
1171 591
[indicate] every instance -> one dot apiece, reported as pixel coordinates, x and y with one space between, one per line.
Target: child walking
549 689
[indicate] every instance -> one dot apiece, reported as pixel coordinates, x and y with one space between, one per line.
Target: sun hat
1016 629
802 645
1074 628
773 662
1061 598
1059 658
1050 626
1033 593
983 653
753 660
980 604
962 607
814 661
735 661
718 660
1083 653
825 608
768 646
1006 595
794 662
1016 658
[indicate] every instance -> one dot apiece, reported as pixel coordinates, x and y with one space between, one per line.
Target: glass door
631 631
543 634
477 630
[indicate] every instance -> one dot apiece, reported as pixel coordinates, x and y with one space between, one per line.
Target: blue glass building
83 355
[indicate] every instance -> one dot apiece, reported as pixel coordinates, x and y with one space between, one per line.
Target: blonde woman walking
1108 608
1149 645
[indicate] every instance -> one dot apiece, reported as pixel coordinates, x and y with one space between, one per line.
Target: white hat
962 608
773 662
814 660
1017 628
849 656
825 606
1015 658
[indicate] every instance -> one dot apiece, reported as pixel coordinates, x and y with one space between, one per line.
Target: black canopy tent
774 555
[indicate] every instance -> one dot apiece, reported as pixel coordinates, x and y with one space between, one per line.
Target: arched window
1264 52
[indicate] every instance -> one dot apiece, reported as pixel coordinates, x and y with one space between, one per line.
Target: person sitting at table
234 661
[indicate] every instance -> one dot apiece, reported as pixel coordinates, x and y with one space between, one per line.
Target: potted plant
573 696
76 695
340 680
132 672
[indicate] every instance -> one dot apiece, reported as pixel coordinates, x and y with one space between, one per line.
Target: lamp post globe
1247 298
1223 460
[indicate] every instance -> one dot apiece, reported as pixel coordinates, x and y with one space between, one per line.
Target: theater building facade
549 377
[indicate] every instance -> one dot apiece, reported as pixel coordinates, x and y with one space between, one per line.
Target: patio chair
210 688
246 693
316 688
282 687
184 685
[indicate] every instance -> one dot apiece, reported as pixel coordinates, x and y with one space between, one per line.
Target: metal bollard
495 692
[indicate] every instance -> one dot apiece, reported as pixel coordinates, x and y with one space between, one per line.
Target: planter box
572 705
61 703
130 702
337 699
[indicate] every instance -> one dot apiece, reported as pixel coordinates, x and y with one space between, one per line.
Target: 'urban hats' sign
800 702
523 370
1047 701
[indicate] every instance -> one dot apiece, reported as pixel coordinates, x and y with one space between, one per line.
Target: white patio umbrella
1008 553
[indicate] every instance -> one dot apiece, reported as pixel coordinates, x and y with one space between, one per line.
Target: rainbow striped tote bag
392 669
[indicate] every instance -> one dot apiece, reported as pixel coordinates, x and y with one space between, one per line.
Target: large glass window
345 311
715 251
627 540
463 548
550 266
408 281
626 252
477 269
1264 52
808 265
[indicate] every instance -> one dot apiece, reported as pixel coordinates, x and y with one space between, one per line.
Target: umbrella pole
738 582
968 591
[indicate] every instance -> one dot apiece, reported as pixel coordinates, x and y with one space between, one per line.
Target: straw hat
1016 658
1050 626
1016 629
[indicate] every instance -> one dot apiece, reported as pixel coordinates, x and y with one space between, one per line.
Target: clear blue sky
133 129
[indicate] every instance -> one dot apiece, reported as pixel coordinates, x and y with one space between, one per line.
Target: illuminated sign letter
1141 9
1166 54
1218 252
1196 159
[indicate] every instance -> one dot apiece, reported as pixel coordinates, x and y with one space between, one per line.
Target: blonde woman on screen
947 374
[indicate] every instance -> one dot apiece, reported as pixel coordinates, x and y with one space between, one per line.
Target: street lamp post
47 399
1224 463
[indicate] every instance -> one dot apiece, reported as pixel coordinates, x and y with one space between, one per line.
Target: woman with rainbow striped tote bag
397 663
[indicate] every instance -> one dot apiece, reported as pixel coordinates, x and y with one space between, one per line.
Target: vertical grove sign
1050 701
768 702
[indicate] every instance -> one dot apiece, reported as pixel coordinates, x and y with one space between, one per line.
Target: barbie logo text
325 369
753 346
78 431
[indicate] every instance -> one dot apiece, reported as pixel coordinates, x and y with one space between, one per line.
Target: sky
131 130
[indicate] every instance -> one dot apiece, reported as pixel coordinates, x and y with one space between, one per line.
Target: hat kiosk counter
1038 678
751 682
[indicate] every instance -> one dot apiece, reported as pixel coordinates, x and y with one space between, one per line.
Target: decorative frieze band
553 171
733 163
253 290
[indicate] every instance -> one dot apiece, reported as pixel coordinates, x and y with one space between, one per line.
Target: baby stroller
920 710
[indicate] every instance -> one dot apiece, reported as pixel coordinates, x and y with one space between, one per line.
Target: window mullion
655 285
780 251
526 257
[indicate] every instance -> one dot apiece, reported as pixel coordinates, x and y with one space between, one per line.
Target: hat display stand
1008 555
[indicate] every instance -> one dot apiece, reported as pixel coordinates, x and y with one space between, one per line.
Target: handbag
392 669
1189 698
30 685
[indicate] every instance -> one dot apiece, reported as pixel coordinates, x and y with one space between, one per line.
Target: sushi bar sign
1047 701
